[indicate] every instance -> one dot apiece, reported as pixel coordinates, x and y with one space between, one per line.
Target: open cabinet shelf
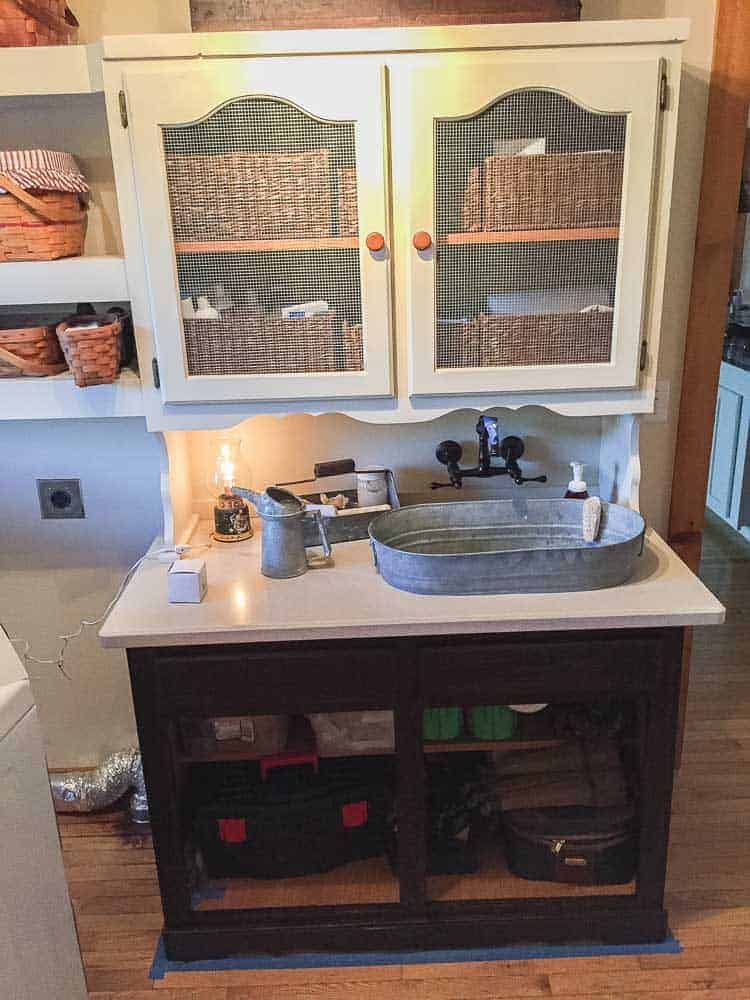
30 71
259 246
534 733
58 398
71 279
236 750
530 236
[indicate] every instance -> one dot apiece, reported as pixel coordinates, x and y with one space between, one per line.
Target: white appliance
39 953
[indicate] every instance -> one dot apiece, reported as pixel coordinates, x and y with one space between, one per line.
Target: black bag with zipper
582 844
294 815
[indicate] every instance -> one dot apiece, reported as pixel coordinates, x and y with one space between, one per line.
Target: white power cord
166 554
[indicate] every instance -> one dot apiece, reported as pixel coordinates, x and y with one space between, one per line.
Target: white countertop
350 600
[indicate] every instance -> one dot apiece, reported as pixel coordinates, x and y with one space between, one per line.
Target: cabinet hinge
123 109
663 92
155 372
644 355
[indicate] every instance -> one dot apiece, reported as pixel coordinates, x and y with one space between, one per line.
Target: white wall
53 573
133 17
281 449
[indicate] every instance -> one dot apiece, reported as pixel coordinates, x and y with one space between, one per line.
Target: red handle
288 758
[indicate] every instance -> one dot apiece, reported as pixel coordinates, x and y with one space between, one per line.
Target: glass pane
264 215
527 203
528 804
290 810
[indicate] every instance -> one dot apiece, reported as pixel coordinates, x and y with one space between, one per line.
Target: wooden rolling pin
321 470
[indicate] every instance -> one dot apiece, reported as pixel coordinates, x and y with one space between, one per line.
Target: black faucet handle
519 480
449 452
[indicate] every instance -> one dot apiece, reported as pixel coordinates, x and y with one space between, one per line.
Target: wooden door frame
726 123
729 96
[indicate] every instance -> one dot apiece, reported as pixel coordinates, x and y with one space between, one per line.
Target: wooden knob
375 242
422 240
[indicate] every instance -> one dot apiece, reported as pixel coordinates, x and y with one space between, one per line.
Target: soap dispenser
577 485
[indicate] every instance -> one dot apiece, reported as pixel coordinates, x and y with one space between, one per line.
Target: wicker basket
471 210
40 225
36 22
513 340
457 344
348 214
94 355
354 354
552 191
549 339
245 342
251 196
29 350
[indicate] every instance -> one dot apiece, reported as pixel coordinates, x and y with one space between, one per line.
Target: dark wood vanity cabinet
401 907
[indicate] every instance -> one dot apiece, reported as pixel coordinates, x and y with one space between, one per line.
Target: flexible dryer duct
88 791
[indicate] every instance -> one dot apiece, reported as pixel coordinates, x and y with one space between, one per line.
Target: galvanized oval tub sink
504 547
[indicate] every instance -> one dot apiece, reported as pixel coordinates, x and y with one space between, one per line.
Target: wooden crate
233 15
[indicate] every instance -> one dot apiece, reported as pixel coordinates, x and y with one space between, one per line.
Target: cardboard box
186 581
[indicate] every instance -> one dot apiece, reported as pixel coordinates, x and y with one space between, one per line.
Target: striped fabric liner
43 169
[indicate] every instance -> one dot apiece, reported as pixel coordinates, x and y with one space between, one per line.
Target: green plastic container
442 723
492 722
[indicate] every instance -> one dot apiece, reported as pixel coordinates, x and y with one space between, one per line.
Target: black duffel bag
582 844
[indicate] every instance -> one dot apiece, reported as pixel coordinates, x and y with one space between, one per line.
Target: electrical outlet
60 498
661 403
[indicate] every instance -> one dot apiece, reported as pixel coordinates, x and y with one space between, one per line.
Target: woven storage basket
354 355
42 215
250 196
471 210
549 339
29 350
36 22
552 191
94 355
457 344
348 215
243 342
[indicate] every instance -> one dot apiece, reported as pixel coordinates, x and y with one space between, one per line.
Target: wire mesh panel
528 196
263 200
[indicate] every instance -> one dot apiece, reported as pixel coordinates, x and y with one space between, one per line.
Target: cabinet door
531 188
257 183
724 453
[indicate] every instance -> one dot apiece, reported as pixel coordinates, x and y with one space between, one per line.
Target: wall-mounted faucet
510 449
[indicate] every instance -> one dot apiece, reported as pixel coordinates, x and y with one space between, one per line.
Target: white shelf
58 398
50 69
72 279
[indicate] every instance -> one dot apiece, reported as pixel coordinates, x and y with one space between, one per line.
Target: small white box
186 581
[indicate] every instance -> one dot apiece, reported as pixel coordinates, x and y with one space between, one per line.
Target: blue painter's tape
320 960
208 893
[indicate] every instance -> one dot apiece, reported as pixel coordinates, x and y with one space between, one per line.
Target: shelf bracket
123 109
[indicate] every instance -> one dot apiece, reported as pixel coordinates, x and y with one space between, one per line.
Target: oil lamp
231 513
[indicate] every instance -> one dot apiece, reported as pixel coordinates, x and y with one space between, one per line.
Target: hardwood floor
113 884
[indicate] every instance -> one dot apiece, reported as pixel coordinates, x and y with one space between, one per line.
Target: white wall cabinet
729 472
257 183
533 181
484 228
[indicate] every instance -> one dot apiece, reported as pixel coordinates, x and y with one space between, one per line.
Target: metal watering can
283 552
